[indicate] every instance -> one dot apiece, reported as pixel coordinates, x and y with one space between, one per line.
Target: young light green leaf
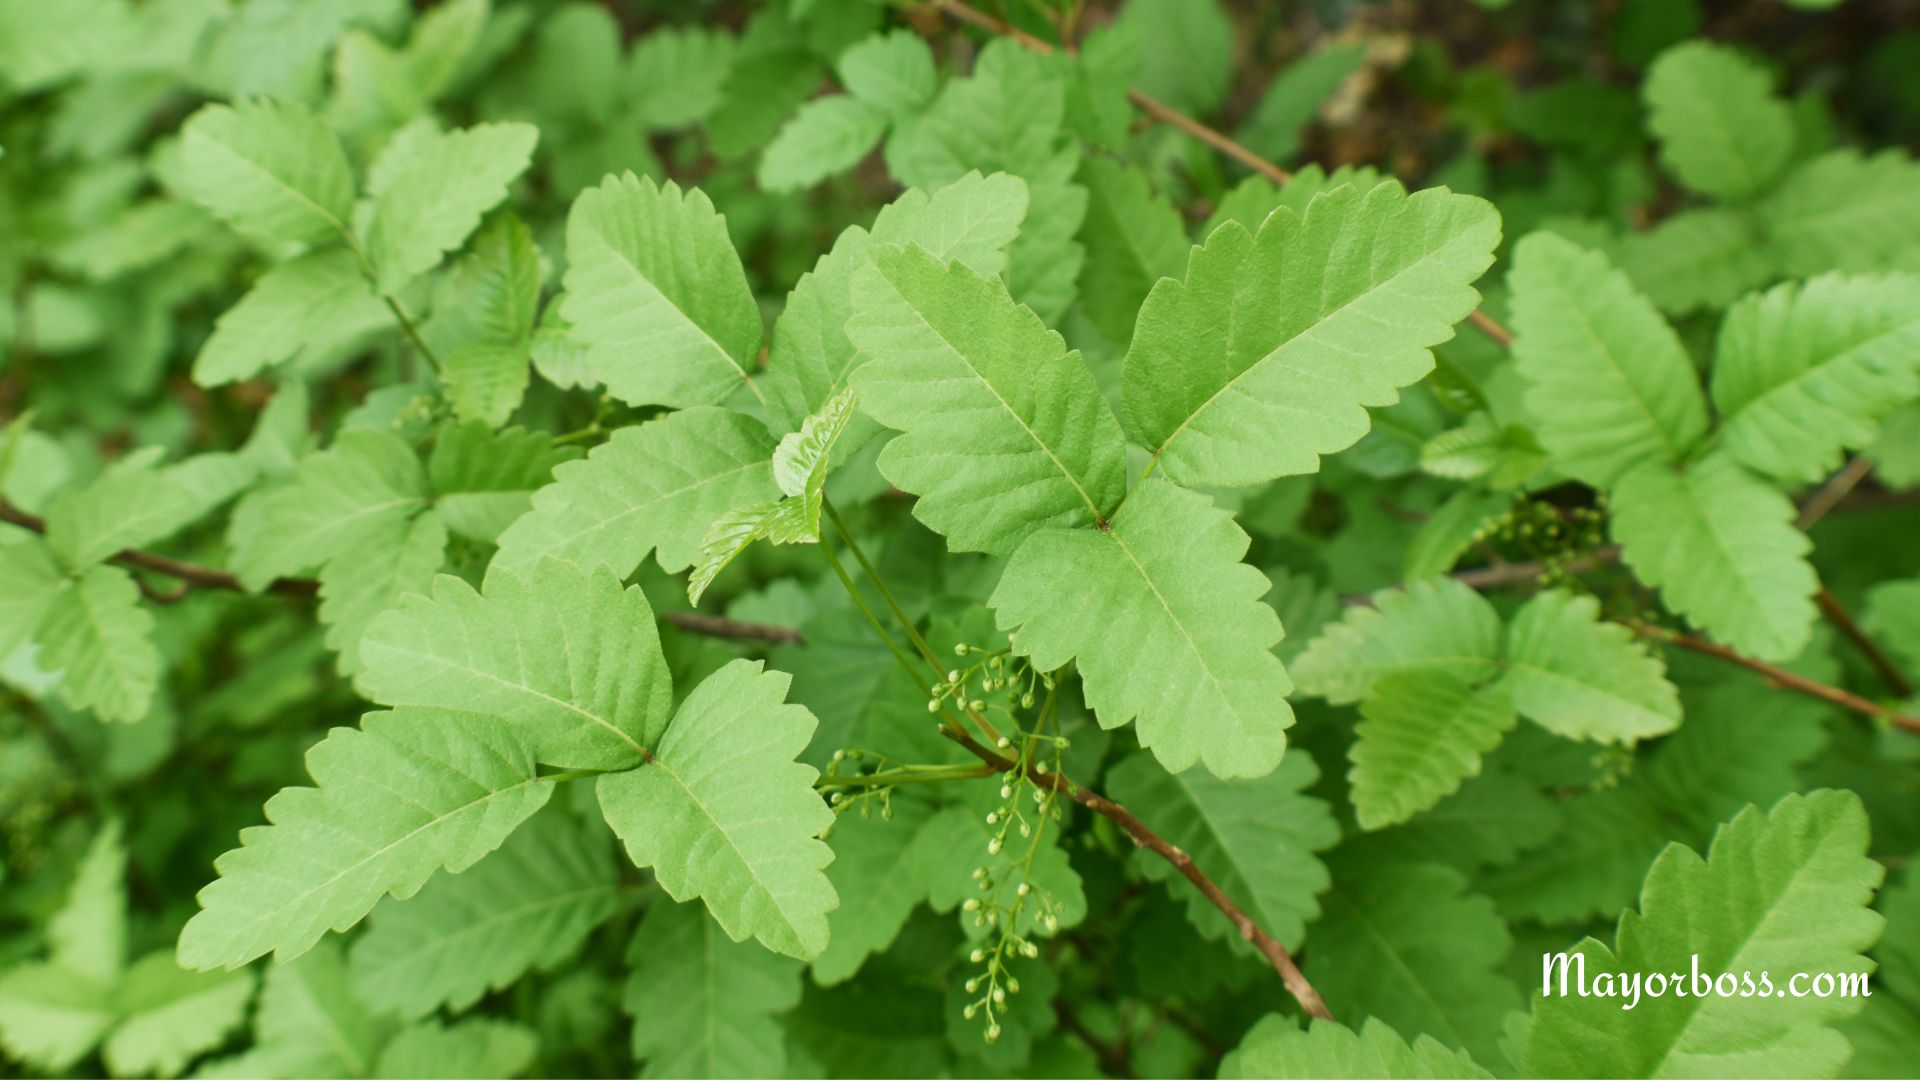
1275 1049
971 220
1583 678
828 135
655 486
1387 276
270 169
1422 734
339 498
721 811
1721 130
704 1005
527 906
801 460
287 307
1722 549
675 74
1801 373
564 657
1164 582
1433 626
1004 430
730 534
408 793
101 640
1611 385
1407 944
1259 840
51 1017
657 293
1781 891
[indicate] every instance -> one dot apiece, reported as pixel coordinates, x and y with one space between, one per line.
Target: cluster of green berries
996 671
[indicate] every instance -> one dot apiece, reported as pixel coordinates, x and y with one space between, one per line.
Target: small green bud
993 817
933 706
976 704
972 904
976 956
1026 701
993 846
1004 742
960 649
1024 889
1006 791
953 676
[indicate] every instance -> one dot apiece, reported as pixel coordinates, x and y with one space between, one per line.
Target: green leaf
1696 259
658 295
51 1017
1802 372
339 499
1781 891
565 658
308 1024
1722 549
483 480
1611 385
1407 944
1592 868
875 874
169 1016
1133 239
1893 616
88 935
1438 626
434 196
800 462
971 220
30 580
675 74
1257 839
1004 430
1190 59
101 640
1330 311
464 1051
1842 211
1291 99
1276 1049
730 534
527 906
1721 130
1583 678
287 307
893 71
410 792
132 504
370 576
722 811
653 486
1421 735
827 136
483 321
1008 116
704 1005
270 169
1162 584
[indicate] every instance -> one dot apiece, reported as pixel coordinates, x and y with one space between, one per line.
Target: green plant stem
931 774
899 613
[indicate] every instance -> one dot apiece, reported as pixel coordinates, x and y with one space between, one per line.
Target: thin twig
1841 618
1833 492
194 575
1778 676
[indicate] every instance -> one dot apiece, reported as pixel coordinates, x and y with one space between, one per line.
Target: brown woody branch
1778 676
196 576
